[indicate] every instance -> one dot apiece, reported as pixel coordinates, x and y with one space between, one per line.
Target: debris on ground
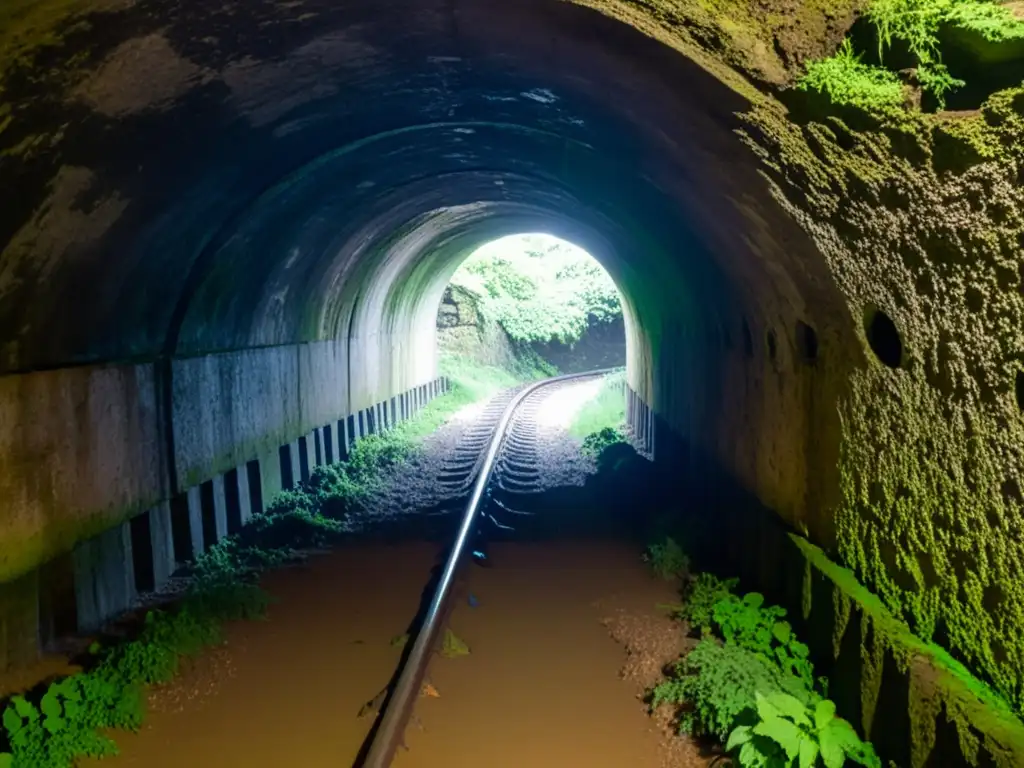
453 647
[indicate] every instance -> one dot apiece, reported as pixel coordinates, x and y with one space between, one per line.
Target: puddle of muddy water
541 686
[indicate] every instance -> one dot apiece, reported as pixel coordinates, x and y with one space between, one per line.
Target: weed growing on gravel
667 559
750 624
597 443
700 599
719 684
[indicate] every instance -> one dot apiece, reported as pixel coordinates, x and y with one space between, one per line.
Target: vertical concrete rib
161 538
195 522
220 509
270 477
104 577
245 510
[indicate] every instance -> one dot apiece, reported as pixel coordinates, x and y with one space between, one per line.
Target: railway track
497 464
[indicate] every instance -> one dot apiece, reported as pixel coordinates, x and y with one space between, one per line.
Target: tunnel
230 226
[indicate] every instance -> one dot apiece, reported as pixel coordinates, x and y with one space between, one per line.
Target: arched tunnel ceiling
195 178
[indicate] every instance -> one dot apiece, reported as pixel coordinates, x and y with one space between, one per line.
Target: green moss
28 25
937 681
932 455
842 608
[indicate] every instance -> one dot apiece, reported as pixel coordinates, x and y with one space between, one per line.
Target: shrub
748 623
788 731
667 559
703 593
597 443
63 723
718 686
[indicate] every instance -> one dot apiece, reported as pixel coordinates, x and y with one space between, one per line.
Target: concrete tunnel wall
228 244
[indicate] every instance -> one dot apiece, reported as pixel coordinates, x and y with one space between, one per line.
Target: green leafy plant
667 559
715 687
597 443
539 288
700 599
845 79
791 732
917 23
749 623
63 725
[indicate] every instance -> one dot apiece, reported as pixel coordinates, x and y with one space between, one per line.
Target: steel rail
394 717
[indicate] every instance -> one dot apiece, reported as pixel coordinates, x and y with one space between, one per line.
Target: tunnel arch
266 223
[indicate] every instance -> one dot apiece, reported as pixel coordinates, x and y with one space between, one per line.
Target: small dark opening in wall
806 341
773 346
748 340
884 339
142 552
1019 387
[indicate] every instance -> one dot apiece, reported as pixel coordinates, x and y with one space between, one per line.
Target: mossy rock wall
462 331
918 706
921 219
924 222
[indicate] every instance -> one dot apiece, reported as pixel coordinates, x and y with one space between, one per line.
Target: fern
845 79
917 24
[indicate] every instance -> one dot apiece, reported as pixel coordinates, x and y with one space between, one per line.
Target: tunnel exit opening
533 305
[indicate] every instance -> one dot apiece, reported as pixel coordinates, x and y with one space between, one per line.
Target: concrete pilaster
195 521
270 477
331 443
161 539
307 456
220 509
104 577
245 510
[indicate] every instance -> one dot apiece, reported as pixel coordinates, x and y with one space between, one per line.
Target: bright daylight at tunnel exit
548 383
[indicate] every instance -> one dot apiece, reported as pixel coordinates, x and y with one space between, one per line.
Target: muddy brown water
541 686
